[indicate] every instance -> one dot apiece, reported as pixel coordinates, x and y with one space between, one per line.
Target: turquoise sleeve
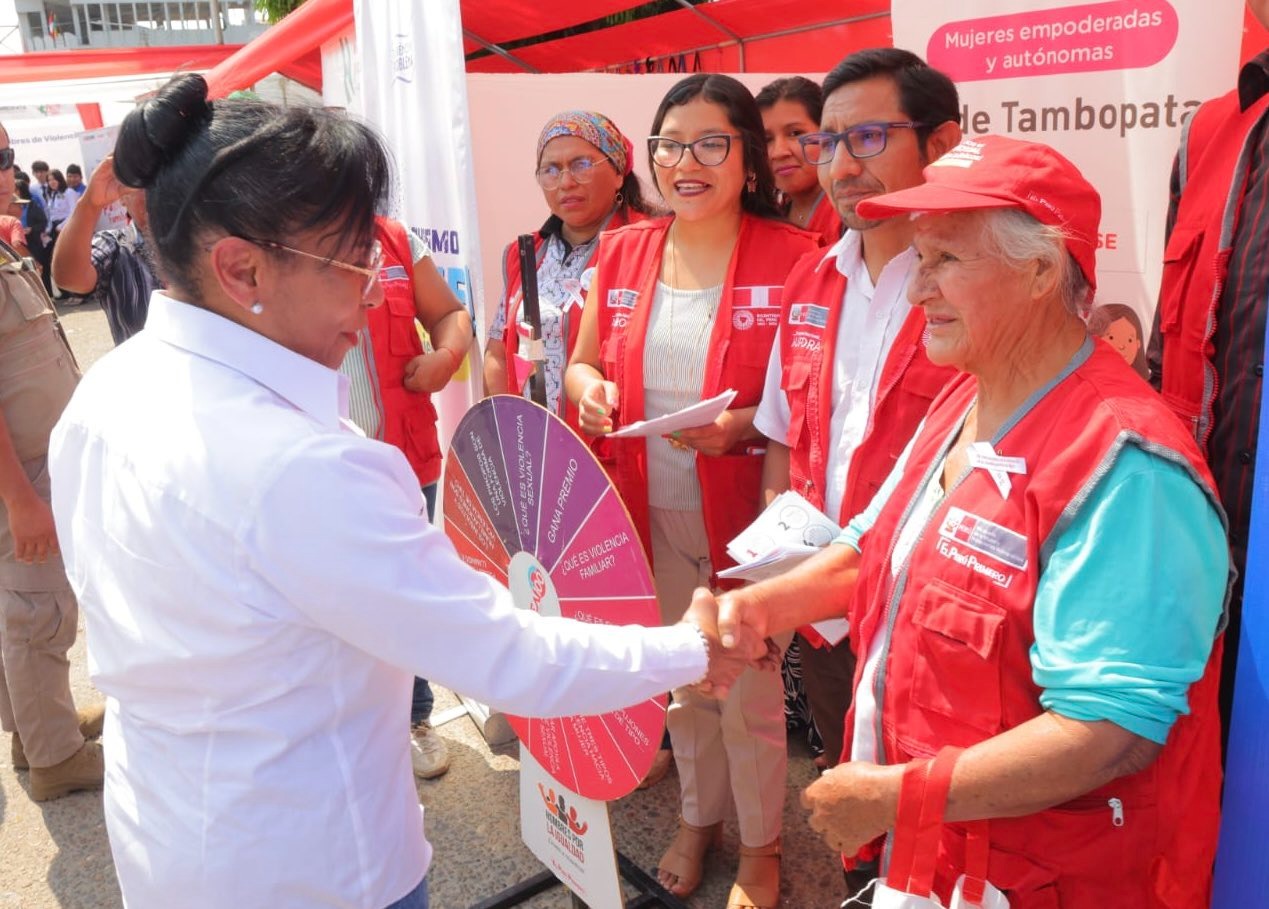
1128 603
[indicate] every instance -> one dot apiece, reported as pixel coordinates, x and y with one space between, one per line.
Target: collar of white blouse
306 384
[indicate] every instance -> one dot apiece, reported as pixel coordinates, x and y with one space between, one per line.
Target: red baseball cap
999 172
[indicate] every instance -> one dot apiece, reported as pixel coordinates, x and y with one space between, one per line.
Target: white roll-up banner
414 91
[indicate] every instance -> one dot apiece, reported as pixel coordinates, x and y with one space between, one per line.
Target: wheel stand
650 892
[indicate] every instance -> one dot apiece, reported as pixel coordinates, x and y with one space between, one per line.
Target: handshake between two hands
735 642
851 804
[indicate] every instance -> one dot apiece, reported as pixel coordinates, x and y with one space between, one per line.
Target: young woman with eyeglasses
585 170
791 109
681 309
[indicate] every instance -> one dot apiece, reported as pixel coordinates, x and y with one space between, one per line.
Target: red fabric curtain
90 115
294 38
506 20
816 45
49 66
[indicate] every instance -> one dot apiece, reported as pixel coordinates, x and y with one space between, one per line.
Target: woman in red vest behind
790 108
391 380
584 166
681 309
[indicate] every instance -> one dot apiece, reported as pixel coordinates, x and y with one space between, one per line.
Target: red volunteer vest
1215 154
813 299
956 669
739 348
824 221
511 280
409 419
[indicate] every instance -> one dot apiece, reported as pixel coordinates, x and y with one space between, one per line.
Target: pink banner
1122 34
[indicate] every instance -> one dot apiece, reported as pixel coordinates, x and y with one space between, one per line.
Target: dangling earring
617 202
257 308
752 183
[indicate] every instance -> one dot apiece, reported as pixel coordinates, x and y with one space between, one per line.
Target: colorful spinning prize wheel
527 503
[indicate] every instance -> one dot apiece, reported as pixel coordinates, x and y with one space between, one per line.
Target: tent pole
740 42
217 26
505 54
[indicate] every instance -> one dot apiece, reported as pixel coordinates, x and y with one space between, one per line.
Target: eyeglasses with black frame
580 169
369 271
8 157
866 140
709 151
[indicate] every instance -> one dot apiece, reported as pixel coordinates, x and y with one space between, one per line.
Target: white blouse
261 584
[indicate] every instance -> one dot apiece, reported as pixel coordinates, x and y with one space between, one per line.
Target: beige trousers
37 629
727 752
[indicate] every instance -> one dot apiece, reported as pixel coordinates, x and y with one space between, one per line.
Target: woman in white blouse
260 581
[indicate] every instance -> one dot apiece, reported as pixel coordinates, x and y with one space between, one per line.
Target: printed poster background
1106 84
415 94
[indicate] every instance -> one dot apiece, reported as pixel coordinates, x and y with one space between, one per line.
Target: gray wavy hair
1016 238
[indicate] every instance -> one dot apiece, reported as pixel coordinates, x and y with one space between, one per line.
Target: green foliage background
276 9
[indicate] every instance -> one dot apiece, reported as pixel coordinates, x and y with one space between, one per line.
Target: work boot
84 769
90 720
429 755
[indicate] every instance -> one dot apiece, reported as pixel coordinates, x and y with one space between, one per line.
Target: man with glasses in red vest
848 380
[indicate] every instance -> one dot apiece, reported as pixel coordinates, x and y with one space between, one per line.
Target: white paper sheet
770 564
787 533
789 520
700 414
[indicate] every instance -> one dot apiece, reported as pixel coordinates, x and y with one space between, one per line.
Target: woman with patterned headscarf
585 169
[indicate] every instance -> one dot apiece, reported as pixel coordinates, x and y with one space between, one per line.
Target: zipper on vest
892 607
884 392
900 369
1211 379
1116 812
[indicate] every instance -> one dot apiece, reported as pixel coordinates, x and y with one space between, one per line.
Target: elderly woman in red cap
585 169
1041 581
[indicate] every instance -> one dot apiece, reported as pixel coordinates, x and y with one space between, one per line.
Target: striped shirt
365 399
125 280
673 376
1240 327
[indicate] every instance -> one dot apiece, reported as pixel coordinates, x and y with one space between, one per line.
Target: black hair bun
156 131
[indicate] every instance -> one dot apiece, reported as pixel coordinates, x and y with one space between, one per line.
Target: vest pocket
1180 263
956 673
794 380
403 337
610 354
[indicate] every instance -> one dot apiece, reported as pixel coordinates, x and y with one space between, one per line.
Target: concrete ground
57 854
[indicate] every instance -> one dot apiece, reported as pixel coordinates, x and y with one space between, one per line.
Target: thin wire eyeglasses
370 271
709 151
867 140
580 169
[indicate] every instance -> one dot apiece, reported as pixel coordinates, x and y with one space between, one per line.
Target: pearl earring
257 308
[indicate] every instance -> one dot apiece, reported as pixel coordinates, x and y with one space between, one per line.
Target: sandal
758 878
685 859
660 767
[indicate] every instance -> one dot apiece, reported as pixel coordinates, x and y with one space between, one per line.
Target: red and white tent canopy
723 36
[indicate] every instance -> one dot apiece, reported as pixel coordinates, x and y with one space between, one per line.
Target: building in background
71 24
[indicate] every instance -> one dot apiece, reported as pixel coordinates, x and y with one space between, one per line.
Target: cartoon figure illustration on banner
1120 325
